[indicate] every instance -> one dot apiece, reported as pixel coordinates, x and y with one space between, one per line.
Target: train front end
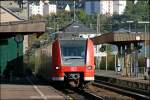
73 62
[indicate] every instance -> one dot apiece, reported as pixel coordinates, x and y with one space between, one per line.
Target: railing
129 71
135 71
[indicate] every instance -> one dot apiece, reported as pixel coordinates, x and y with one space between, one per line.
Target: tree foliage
133 12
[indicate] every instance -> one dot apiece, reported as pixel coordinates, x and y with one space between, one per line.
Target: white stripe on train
62 78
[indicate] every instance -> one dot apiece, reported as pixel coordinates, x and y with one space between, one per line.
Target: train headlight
57 67
89 67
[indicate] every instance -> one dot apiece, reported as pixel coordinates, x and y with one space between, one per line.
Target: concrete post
119 59
136 65
115 63
147 56
132 59
147 68
147 61
127 60
106 59
123 60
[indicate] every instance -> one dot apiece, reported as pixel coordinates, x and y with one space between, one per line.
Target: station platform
136 83
28 91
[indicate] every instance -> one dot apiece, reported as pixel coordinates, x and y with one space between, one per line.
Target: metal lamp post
129 25
146 56
74 10
145 30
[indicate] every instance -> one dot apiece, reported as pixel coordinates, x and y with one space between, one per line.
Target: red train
72 62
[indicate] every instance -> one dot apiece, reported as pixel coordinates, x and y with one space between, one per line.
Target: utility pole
98 23
109 7
106 59
28 16
106 44
74 10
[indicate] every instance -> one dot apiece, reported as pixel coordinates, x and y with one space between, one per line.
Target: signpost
18 39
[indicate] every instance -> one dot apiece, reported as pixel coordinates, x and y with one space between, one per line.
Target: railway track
81 95
76 94
70 93
122 90
93 93
93 96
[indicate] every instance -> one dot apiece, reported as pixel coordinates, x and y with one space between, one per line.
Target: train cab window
73 48
73 52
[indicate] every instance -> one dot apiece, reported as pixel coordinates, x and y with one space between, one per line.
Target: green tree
135 12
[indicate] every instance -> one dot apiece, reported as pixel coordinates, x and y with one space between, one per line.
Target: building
119 6
42 8
106 7
49 9
92 7
36 9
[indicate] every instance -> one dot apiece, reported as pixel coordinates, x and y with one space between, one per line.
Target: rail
133 93
92 95
70 93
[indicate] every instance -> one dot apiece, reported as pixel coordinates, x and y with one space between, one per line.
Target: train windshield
73 52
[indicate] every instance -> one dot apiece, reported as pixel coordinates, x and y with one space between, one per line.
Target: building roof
121 30
10 12
14 9
73 31
120 38
77 27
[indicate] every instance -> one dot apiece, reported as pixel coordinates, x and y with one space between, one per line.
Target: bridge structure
128 48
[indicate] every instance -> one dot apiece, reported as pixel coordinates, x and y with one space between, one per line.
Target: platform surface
29 91
113 74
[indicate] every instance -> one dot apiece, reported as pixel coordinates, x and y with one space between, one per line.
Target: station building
12 40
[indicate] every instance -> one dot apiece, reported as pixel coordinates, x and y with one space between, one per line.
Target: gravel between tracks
107 94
